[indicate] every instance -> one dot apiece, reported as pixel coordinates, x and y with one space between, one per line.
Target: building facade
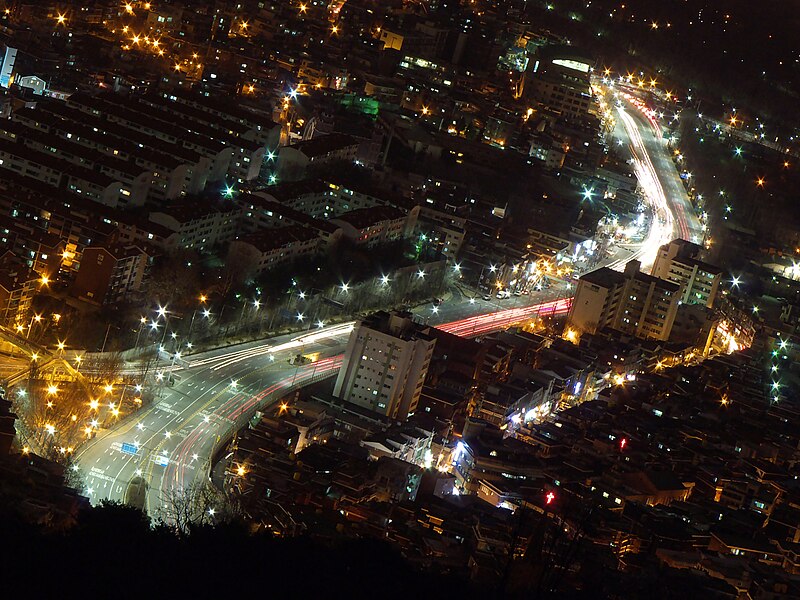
385 364
677 262
632 302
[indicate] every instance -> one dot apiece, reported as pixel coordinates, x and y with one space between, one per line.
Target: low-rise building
270 248
295 159
18 285
373 226
199 226
111 274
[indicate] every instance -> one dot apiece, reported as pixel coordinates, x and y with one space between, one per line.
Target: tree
240 266
174 278
197 505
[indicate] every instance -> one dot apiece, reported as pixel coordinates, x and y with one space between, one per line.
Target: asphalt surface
171 442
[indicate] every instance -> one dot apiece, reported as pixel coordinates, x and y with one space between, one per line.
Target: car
518 293
437 301
487 297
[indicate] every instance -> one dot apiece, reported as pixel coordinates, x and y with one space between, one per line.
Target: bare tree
196 505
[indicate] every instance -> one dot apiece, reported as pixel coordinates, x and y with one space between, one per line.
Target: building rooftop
324 144
268 240
367 217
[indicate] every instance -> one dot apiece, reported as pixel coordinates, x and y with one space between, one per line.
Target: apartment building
270 248
385 364
699 281
198 226
632 302
111 274
18 285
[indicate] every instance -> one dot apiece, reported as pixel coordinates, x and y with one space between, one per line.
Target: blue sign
129 448
161 460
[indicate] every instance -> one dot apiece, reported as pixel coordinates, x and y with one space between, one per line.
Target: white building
632 302
385 364
699 281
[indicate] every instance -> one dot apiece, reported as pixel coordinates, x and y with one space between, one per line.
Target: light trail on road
481 324
216 374
219 362
662 226
175 472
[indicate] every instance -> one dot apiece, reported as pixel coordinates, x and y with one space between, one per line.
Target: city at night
400 299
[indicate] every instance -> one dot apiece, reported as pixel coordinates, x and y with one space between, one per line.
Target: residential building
111 274
295 159
199 225
560 80
632 302
18 285
385 364
677 262
270 248
373 226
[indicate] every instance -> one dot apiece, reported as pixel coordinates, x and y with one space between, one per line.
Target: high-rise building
677 262
632 302
385 364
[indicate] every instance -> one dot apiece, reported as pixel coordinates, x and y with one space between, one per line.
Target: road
175 438
673 214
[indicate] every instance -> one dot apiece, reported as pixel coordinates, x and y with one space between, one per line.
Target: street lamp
142 323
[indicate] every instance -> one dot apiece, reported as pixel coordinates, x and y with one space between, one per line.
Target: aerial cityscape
360 298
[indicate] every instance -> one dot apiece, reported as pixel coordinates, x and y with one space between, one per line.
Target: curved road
174 439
